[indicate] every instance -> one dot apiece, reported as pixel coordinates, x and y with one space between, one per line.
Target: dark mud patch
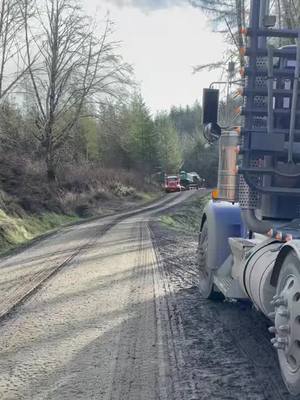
224 347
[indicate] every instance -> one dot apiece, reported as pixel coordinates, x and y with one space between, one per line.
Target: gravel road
110 310
94 330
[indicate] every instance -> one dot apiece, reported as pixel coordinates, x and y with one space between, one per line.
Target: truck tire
206 285
287 322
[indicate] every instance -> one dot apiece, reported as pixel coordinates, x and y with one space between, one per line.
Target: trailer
249 242
190 180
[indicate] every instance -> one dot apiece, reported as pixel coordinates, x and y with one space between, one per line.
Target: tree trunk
51 174
50 164
51 171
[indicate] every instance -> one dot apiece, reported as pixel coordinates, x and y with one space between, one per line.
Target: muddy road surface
224 350
110 310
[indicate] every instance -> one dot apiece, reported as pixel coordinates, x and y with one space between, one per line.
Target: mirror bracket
212 132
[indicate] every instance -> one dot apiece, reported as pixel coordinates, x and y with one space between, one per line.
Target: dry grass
29 205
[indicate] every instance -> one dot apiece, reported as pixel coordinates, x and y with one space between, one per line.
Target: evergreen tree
142 136
169 148
113 136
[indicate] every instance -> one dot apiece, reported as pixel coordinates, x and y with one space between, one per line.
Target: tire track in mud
123 376
225 347
173 331
140 368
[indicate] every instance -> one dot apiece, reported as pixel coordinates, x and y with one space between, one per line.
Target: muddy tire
206 285
287 315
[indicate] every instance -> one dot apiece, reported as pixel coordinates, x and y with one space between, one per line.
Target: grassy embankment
186 216
30 207
15 230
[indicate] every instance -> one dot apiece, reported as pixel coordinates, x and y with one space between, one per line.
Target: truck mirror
212 132
210 106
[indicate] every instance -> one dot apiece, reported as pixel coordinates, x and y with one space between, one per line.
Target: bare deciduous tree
12 67
228 17
74 68
288 13
231 15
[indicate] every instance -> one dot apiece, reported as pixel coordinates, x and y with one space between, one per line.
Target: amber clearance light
215 194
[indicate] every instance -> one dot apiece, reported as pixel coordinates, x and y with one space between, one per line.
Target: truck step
229 287
239 248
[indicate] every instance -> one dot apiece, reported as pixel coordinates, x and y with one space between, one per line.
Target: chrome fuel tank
227 173
257 272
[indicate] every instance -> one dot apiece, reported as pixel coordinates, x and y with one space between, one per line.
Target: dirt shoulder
223 349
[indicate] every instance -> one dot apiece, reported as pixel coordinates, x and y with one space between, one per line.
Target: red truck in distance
172 184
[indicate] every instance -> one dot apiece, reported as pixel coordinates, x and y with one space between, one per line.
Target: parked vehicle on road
172 183
249 243
190 180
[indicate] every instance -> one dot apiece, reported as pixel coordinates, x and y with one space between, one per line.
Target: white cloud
163 45
148 4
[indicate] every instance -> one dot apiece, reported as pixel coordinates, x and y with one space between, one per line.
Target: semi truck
190 180
172 183
249 241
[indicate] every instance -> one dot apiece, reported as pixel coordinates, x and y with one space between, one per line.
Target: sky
163 40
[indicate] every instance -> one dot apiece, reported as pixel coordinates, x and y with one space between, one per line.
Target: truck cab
172 184
249 242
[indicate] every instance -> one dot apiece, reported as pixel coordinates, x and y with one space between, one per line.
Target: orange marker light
215 194
238 110
242 51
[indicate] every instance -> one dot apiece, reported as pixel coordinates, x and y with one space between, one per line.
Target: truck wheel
206 285
287 322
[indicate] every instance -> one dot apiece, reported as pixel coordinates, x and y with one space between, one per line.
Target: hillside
31 206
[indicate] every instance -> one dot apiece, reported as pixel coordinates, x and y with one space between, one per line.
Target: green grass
185 217
15 231
147 197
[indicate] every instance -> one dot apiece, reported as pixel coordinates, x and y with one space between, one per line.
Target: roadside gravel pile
224 349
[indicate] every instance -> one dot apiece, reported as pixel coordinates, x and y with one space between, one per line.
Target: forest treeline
121 136
129 137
